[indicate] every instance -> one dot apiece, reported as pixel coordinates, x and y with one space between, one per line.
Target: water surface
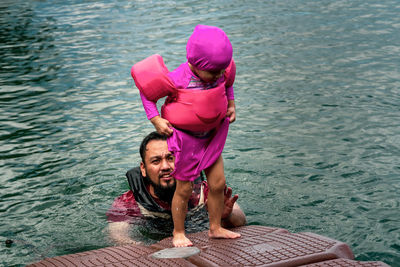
316 144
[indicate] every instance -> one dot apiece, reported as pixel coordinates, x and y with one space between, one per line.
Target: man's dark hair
150 137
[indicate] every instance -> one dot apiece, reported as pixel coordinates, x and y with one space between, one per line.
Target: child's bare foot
222 233
180 240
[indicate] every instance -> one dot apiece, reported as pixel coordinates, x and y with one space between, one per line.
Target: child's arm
231 112
149 107
162 125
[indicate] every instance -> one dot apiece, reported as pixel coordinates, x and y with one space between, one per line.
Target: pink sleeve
150 107
229 93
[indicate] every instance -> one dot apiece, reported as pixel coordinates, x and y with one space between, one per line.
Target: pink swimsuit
197 110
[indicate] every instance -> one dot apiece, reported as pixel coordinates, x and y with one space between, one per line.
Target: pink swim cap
208 48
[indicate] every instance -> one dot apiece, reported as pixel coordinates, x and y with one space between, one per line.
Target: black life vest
143 197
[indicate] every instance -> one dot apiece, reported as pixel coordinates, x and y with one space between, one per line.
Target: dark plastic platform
258 246
132 255
347 263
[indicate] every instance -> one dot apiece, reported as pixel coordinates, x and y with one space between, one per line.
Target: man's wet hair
150 137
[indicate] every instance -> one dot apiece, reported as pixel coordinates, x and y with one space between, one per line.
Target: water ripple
317 116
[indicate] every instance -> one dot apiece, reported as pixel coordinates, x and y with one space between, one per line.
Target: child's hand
162 125
231 112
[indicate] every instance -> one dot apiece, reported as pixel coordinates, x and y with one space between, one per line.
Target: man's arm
119 233
123 208
235 219
232 215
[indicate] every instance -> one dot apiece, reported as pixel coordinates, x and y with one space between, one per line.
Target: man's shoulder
135 178
123 207
135 171
126 197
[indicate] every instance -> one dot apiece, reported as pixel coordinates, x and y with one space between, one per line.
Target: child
200 106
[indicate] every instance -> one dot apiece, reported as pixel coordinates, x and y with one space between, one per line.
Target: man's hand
162 125
232 214
229 201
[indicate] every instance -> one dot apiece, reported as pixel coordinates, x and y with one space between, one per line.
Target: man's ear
142 169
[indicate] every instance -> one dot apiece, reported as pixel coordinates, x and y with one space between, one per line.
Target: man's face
158 164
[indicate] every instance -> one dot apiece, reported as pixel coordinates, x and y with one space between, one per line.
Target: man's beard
163 193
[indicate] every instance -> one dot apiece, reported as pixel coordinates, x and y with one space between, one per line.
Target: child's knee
217 184
184 189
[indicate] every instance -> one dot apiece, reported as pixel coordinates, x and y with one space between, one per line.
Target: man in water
151 191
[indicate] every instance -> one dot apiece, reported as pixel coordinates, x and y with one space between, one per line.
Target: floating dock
258 246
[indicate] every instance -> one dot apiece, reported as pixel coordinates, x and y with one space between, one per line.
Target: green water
316 144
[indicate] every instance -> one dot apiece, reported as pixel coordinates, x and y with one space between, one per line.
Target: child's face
208 76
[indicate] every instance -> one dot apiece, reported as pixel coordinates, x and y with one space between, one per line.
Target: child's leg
215 200
179 210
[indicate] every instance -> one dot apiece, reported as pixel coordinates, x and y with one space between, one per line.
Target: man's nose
165 165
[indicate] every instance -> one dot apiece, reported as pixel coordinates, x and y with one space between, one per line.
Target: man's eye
171 158
156 161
